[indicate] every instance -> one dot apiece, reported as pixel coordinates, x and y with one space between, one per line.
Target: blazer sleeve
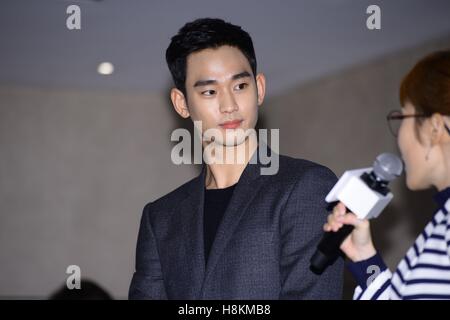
147 281
300 231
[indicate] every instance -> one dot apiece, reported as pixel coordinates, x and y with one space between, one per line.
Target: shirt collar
441 197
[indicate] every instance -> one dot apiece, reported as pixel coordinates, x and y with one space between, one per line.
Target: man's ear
179 102
261 85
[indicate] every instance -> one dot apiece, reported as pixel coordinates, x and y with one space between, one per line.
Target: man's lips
231 124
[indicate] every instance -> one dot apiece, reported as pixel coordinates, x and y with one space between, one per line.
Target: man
231 232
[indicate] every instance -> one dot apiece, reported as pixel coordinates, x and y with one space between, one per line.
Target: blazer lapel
189 238
243 194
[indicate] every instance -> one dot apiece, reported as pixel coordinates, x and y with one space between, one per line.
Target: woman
424 142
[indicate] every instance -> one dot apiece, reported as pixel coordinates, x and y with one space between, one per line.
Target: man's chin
227 137
233 141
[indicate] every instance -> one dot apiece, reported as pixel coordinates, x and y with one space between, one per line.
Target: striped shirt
424 273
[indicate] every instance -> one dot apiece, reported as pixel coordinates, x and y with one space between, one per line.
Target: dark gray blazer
269 231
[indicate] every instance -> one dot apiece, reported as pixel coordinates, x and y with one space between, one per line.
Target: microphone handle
328 248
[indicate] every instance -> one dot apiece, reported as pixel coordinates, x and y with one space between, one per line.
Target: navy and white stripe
424 273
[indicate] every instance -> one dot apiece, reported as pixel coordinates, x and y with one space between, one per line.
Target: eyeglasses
394 125
395 115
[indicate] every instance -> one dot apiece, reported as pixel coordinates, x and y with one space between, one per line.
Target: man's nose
228 102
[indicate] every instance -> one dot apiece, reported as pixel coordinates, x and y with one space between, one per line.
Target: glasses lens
394 122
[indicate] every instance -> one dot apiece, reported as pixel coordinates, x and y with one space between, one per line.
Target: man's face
220 88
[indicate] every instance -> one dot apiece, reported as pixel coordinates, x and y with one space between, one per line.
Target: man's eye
208 92
241 86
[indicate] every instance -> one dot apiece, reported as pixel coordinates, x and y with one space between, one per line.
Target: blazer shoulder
298 169
172 198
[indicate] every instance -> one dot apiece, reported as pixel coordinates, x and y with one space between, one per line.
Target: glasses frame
397 115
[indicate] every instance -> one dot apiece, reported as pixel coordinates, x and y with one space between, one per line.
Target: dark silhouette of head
89 291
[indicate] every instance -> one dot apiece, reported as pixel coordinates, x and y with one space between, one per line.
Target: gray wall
77 167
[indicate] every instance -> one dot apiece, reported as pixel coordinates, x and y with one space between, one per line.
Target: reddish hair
427 85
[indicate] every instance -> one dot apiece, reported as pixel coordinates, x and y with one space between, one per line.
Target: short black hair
202 34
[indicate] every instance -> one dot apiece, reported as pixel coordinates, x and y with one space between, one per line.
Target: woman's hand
358 245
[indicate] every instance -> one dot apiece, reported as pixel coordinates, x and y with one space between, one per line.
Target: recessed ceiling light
105 68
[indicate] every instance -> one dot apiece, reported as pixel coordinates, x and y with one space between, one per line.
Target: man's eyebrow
243 74
201 83
240 75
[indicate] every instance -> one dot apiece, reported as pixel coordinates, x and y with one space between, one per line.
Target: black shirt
216 202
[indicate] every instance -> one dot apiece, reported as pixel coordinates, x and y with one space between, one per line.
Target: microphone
364 192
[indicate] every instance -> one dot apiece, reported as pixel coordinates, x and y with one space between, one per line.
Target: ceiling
295 41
